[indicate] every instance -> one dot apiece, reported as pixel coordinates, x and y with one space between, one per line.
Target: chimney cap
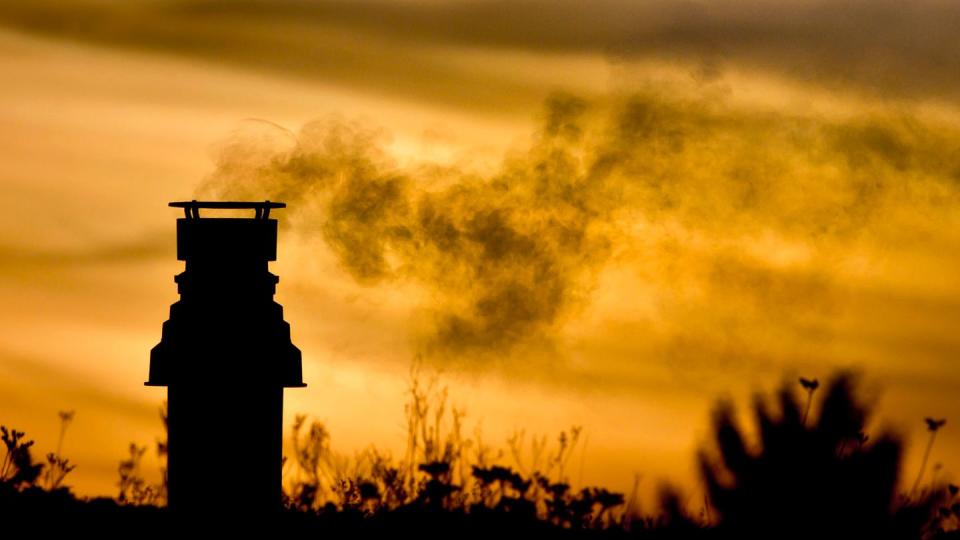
228 204
192 208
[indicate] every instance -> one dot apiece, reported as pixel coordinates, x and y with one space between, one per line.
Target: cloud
422 49
23 259
24 374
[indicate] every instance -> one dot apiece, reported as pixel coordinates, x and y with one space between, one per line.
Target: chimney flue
225 358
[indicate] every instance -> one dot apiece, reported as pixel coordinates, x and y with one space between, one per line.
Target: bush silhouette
815 477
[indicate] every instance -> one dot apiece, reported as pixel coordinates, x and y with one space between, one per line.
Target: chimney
225 357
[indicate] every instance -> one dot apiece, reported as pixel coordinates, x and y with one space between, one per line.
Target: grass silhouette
811 473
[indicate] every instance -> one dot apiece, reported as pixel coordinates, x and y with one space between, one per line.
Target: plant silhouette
823 478
17 468
933 426
810 385
58 467
809 480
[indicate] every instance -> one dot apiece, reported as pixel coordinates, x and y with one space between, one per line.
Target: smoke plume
738 219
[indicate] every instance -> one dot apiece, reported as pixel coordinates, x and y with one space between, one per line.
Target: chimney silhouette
225 358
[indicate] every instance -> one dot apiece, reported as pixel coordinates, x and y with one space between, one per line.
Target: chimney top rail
191 209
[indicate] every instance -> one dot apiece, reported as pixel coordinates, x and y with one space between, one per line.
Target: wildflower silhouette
798 482
59 467
131 483
933 426
57 470
810 385
17 468
133 487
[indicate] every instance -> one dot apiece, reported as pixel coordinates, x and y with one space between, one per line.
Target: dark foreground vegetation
811 471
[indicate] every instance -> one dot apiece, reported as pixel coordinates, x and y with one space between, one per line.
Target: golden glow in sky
609 216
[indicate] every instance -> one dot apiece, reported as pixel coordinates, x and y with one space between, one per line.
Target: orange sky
782 204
